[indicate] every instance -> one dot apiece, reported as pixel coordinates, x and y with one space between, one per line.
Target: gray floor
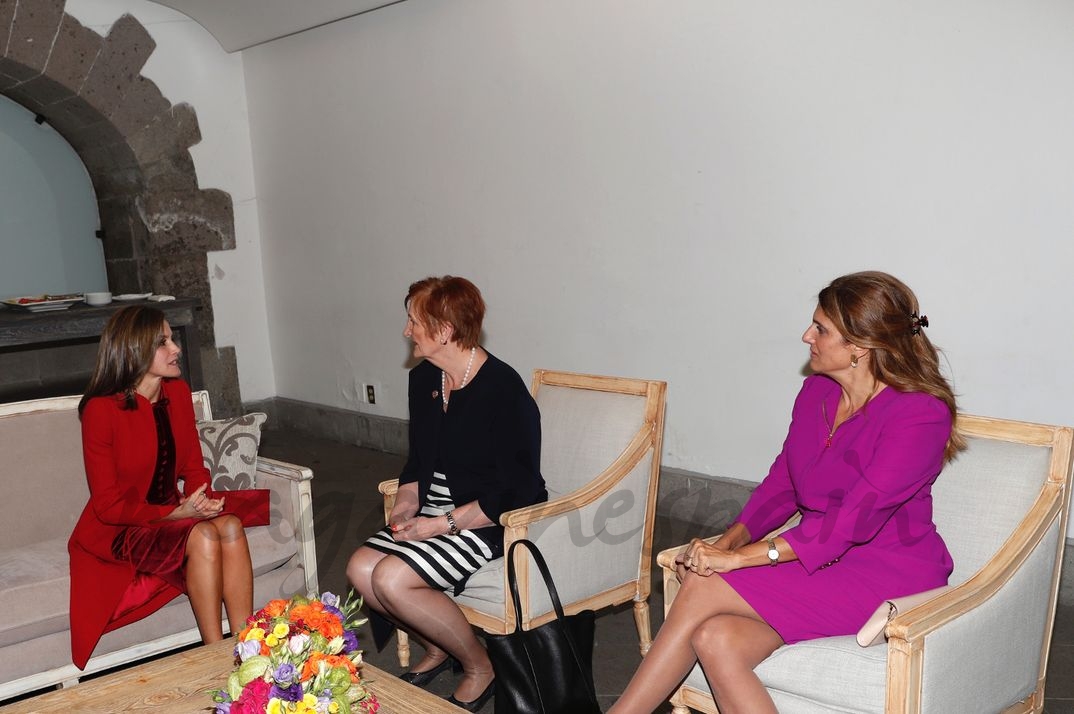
347 508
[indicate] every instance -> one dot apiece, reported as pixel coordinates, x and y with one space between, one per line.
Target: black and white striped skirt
443 561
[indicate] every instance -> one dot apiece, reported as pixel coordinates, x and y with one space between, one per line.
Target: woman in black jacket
475 442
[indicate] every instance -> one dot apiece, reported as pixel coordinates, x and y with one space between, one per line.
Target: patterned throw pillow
229 447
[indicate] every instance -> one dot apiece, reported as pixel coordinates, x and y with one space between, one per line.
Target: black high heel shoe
476 704
420 679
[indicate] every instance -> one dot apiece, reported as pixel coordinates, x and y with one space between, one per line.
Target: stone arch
157 224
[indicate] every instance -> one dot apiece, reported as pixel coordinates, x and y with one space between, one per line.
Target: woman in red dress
141 541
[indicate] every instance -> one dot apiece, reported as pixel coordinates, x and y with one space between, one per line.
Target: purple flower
350 640
284 674
223 708
330 600
288 694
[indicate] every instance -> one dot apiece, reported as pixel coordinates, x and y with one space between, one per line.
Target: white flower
298 643
248 649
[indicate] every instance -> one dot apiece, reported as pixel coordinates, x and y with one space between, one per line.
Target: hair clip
916 323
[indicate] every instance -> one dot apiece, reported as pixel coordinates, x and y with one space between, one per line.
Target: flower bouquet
299 656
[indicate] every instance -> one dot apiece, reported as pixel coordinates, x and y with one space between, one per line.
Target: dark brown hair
448 300
128 344
878 312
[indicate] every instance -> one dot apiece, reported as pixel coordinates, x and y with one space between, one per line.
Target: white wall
48 212
188 65
660 189
650 189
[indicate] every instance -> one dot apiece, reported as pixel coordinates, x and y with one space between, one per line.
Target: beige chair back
40 470
977 504
599 435
582 432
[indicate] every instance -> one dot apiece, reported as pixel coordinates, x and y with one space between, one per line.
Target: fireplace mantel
81 323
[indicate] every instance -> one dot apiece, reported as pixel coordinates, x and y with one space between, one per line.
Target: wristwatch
453 527
773 553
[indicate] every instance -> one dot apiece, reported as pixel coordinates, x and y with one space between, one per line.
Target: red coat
120 452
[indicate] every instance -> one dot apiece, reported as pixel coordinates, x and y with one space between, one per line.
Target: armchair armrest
518 520
389 489
292 508
1005 605
282 469
666 558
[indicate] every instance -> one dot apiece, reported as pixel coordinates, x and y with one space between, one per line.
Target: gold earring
854 361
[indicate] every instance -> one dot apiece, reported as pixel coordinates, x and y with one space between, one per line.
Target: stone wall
157 223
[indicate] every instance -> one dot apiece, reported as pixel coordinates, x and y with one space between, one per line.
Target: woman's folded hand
418 528
705 559
197 505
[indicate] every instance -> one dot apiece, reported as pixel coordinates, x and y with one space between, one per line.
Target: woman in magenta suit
870 431
141 541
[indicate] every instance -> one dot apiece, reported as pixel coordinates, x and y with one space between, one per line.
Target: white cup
97 298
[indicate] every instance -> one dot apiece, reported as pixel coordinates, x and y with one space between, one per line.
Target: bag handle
543 567
552 594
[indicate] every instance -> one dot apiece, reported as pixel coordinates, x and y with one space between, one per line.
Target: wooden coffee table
178 684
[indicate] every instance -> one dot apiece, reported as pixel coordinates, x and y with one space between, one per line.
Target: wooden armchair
982 646
600 458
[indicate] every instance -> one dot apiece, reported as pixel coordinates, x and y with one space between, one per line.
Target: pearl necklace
465 376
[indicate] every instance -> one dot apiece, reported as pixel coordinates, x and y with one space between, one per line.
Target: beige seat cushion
35 582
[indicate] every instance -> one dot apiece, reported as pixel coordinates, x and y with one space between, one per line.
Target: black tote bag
549 669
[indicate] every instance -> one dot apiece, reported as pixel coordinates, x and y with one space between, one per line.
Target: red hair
449 300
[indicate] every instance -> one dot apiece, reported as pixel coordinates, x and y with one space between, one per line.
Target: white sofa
43 486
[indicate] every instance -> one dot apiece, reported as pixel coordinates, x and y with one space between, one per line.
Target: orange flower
306 611
315 618
309 669
275 608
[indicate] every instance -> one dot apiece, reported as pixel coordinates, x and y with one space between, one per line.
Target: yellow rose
305 706
255 633
275 706
281 630
272 640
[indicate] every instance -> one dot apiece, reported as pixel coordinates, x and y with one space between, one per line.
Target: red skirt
158 550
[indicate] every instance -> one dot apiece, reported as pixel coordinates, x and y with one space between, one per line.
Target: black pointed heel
476 704
420 679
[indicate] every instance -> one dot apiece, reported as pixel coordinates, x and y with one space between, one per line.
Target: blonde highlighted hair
878 312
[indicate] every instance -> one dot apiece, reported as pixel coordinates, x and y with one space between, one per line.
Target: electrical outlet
370 394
